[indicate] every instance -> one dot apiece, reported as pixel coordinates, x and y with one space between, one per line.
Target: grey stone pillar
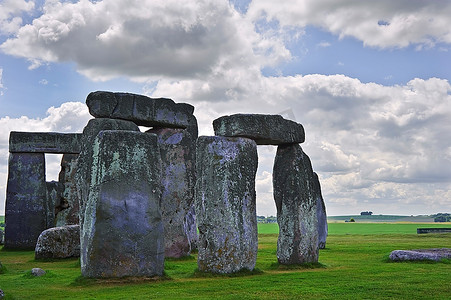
296 199
52 200
321 213
177 150
122 233
26 200
67 209
225 204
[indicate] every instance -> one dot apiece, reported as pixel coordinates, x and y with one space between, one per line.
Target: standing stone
59 242
122 233
191 228
177 150
68 203
26 198
225 204
85 159
295 195
321 213
52 199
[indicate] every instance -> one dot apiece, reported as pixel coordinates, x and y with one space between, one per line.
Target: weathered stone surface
26 198
225 204
122 233
177 150
321 213
2 237
59 242
44 142
435 254
67 207
38 272
295 195
264 129
191 228
52 199
144 111
85 159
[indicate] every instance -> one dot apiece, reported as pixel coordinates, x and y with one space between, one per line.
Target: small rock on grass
38 272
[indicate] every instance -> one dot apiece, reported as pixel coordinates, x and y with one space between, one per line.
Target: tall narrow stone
295 195
122 233
52 199
177 150
321 213
26 200
225 204
68 203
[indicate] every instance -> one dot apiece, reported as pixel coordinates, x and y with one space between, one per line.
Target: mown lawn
353 266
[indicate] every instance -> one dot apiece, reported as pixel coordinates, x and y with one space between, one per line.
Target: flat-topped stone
264 129
140 109
44 142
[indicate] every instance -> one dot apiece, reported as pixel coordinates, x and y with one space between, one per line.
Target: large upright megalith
295 194
177 150
67 208
122 233
26 200
225 204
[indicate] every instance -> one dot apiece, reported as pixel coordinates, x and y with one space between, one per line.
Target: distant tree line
366 213
441 217
263 219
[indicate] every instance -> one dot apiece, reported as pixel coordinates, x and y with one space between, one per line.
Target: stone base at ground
59 242
435 254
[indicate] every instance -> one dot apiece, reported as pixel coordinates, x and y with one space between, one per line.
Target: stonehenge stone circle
177 180
122 232
127 199
26 197
296 201
225 204
264 129
59 242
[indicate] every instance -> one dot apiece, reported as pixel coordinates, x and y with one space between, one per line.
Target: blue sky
369 80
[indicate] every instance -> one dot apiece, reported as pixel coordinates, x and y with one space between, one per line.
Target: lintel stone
44 142
263 129
140 109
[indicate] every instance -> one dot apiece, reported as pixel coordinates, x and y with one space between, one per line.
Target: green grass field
354 265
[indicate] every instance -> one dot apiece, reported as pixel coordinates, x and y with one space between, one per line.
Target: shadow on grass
81 281
242 273
305 266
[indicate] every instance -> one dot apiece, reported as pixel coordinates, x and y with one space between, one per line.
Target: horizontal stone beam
44 142
142 110
433 230
263 129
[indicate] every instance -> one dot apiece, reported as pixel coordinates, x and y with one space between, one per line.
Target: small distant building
366 213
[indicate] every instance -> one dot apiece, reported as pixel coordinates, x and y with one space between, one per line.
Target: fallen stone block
59 242
434 254
225 204
38 272
44 142
142 110
26 200
122 232
295 194
263 129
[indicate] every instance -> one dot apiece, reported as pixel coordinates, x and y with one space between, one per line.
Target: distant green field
363 228
381 218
